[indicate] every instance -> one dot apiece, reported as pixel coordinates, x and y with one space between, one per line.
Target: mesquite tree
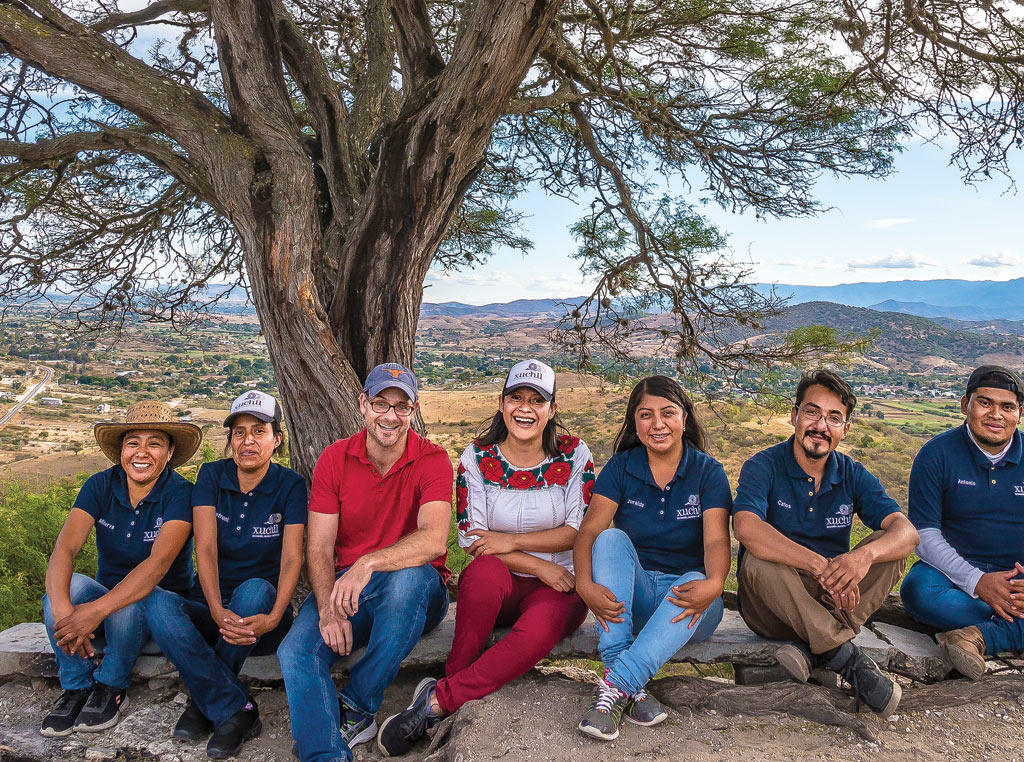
327 152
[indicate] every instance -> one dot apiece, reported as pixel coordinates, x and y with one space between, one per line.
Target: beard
812 453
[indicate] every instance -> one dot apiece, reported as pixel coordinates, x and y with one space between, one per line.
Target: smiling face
144 455
388 429
252 442
992 416
817 438
660 423
526 413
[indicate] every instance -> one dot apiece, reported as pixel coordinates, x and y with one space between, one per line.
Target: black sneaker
227 740
102 710
881 694
192 725
61 719
399 732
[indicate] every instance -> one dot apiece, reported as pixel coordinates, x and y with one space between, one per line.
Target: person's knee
482 575
915 592
162 608
756 573
689 577
296 650
406 585
254 596
611 541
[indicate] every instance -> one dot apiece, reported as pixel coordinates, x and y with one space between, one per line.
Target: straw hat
154 416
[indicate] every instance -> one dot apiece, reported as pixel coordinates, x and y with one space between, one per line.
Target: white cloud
898 260
996 259
889 222
801 263
485 286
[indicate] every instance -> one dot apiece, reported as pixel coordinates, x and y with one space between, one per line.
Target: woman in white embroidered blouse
521 492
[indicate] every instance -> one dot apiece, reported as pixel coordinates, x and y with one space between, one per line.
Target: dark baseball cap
996 377
388 375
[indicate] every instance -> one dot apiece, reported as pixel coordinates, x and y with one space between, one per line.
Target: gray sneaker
356 727
602 717
644 709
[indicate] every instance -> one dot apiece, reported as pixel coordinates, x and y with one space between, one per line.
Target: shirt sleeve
577 493
205 490
470 499
715 490
936 552
754 486
924 498
873 502
178 500
295 502
93 495
609 482
436 479
323 497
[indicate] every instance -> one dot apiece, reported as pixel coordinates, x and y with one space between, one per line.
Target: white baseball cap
257 404
534 374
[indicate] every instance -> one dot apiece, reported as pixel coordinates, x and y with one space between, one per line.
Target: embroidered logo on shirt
106 524
692 509
842 519
966 483
272 528
150 536
1018 490
637 503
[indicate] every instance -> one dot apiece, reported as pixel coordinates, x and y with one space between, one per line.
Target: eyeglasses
402 409
813 414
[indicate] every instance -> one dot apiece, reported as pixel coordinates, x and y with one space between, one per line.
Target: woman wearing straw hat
142 512
249 515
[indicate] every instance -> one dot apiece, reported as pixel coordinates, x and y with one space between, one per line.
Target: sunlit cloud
898 260
995 259
802 263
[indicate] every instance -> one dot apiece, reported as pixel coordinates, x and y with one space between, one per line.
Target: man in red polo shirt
379 513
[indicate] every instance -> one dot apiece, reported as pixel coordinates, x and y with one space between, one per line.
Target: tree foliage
327 153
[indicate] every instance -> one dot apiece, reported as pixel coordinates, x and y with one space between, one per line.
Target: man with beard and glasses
379 511
793 514
967 502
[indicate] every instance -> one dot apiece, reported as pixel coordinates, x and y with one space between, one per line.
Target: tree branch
417 51
149 14
374 96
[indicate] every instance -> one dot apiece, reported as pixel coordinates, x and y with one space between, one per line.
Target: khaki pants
783 603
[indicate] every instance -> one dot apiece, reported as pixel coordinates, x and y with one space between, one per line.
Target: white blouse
493 494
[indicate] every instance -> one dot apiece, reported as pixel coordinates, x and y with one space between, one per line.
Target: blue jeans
190 639
635 649
930 597
120 638
395 609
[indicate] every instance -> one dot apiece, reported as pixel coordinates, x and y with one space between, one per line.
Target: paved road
47 375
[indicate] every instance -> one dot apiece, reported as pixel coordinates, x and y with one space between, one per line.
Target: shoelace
418 721
640 696
607 695
849 673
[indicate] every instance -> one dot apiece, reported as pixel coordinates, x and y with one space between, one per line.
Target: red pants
490 595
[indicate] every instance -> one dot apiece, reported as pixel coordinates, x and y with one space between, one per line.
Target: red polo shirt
375 512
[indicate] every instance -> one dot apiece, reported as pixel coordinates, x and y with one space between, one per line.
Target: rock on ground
535 719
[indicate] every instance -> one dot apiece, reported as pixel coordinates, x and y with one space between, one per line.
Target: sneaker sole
367 734
427 681
51 733
894 701
108 724
254 731
962 661
791 660
658 718
593 732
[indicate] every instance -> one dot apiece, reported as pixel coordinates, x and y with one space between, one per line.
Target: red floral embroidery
567 444
588 491
558 473
492 469
522 480
461 499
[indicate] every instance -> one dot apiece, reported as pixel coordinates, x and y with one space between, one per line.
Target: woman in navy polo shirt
141 510
249 514
654 582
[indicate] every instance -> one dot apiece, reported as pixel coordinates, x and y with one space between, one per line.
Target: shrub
31 523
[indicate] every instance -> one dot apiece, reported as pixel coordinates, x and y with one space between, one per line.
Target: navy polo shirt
665 525
773 486
125 535
978 506
250 525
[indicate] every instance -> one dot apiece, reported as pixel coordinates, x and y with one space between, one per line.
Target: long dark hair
496 431
669 388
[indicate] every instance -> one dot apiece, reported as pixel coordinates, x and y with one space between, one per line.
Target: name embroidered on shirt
966 483
106 524
637 503
784 505
221 517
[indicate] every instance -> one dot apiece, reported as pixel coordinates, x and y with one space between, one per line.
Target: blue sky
920 223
